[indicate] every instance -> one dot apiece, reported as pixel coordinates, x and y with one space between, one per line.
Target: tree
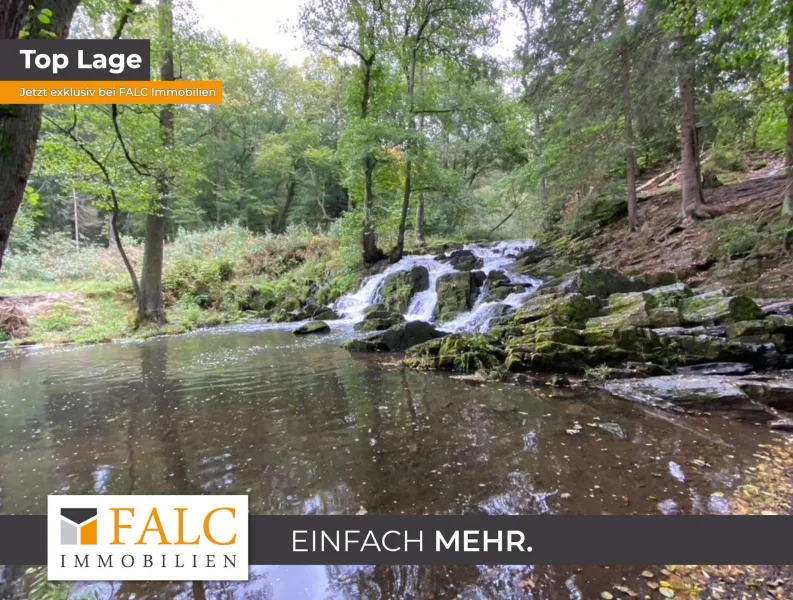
693 203
354 27
20 124
422 30
627 100
156 219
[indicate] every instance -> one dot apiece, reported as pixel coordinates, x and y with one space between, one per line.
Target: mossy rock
400 288
599 281
463 260
502 292
378 320
657 307
459 352
627 370
567 308
715 309
554 357
456 295
312 327
365 345
638 341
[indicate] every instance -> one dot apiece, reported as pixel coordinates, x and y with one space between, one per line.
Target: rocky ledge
647 339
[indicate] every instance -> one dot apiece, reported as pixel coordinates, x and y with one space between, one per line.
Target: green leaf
44 19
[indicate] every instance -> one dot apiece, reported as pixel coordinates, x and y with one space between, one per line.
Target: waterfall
495 257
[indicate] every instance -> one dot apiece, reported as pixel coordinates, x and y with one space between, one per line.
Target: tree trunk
371 253
630 151
290 196
20 123
156 220
787 203
396 254
691 182
420 220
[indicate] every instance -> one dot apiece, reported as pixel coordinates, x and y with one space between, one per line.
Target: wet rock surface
312 327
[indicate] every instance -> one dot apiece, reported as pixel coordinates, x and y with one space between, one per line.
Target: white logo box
197 538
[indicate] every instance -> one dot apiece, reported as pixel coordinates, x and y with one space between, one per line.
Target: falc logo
147 538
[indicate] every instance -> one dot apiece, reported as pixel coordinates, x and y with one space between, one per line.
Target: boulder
558 357
777 307
312 327
695 349
599 281
656 307
717 368
776 393
627 370
457 294
378 320
370 344
325 313
463 260
406 335
707 309
400 288
457 352
713 394
502 292
566 308
397 338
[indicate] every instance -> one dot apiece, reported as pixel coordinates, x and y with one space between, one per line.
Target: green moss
707 309
463 353
565 308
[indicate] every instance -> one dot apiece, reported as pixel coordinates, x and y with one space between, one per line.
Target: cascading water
496 257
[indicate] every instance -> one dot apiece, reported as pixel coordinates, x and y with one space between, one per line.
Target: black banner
481 540
75 60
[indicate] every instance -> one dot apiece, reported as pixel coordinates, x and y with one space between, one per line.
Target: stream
303 427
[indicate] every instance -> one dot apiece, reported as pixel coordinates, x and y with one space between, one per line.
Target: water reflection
302 427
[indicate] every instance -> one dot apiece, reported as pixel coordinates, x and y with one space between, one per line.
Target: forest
402 130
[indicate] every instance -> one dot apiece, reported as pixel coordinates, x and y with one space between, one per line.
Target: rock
457 352
776 393
325 313
533 255
366 345
312 327
478 278
708 310
717 368
715 394
781 425
405 335
456 294
710 180
497 278
613 429
783 307
657 307
463 260
501 293
556 357
378 320
400 288
599 281
717 331
566 308
558 380
628 370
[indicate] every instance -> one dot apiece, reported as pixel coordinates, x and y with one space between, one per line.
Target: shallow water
304 427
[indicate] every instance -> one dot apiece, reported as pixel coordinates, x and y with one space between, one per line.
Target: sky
272 25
